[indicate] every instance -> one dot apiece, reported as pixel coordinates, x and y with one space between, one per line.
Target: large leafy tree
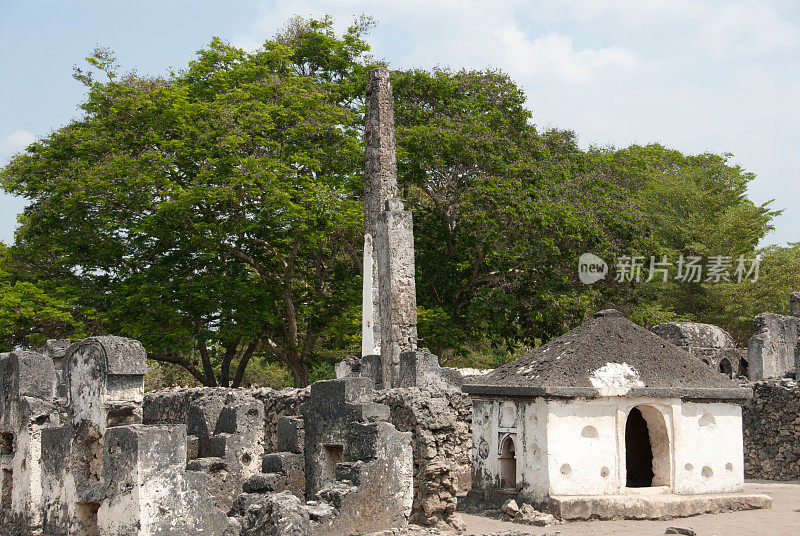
501 212
697 205
210 214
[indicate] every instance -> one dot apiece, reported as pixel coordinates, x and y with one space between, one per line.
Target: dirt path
782 520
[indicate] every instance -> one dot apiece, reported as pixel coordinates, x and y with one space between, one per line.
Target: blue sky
696 75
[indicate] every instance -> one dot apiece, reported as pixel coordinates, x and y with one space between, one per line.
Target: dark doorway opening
638 451
508 464
742 367
725 367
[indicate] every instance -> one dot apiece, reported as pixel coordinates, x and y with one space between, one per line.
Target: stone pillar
794 304
27 389
397 287
380 184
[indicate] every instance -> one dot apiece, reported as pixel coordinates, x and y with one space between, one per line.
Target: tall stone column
380 184
389 294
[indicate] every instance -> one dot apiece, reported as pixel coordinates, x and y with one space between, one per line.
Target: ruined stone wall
775 346
771 422
440 423
172 407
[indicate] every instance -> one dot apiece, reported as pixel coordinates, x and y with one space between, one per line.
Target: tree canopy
208 214
216 214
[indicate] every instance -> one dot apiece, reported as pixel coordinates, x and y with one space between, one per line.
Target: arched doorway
508 463
725 367
647 452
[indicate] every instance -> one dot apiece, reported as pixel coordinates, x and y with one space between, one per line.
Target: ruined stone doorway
647 450
508 464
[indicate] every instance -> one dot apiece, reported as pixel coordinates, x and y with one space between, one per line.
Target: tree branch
177 360
208 369
245 359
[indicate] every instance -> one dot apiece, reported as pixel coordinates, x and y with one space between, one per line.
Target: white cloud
14 143
554 55
696 75
466 33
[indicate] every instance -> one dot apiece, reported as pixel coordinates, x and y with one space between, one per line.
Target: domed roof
608 355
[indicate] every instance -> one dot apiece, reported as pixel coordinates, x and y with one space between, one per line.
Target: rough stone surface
75 459
680 530
380 184
510 508
394 255
772 351
355 460
528 515
440 424
771 426
710 344
278 514
420 368
144 465
27 386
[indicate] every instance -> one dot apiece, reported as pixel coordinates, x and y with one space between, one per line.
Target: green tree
697 205
33 310
210 214
501 212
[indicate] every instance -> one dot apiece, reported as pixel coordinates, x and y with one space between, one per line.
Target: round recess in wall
485 416
689 467
246 458
707 472
707 421
483 449
508 414
729 467
533 449
589 431
604 472
566 470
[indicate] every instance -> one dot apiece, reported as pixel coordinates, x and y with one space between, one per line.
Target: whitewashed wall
577 446
708 448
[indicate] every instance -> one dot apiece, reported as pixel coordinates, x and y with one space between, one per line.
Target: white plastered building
606 409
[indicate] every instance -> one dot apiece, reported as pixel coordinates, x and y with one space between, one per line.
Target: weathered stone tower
389 325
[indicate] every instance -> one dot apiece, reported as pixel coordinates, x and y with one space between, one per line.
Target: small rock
319 511
262 483
528 515
679 530
510 507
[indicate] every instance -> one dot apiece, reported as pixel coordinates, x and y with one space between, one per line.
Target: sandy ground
782 519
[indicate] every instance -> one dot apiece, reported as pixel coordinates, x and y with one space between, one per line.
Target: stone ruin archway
647 448
508 463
